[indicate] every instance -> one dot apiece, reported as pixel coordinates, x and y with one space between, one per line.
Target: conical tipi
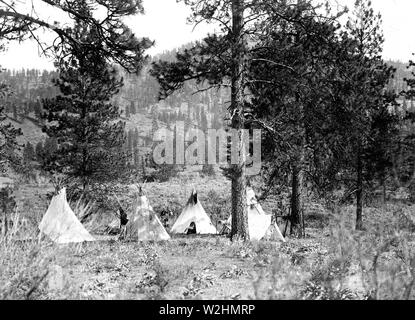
60 223
194 213
260 224
144 225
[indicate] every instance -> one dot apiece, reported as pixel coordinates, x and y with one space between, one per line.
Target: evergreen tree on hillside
404 166
293 113
9 156
366 106
39 151
83 120
29 154
37 109
50 146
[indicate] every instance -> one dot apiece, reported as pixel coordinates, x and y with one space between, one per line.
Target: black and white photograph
207 150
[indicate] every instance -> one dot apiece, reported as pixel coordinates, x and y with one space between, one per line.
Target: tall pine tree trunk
295 200
359 192
297 191
297 182
239 204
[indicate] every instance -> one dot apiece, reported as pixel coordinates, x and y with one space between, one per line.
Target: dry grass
333 262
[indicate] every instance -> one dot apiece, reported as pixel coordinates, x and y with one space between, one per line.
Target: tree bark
384 195
359 192
240 228
297 183
4 209
296 218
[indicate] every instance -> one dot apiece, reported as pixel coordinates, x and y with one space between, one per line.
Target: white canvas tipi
194 213
259 223
144 225
60 223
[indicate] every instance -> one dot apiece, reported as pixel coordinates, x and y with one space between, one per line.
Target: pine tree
229 59
404 152
28 153
50 146
83 120
39 151
9 147
114 41
37 108
303 51
368 78
219 59
7 206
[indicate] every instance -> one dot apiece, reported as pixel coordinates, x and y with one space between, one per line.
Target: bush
168 211
218 206
8 206
208 170
162 173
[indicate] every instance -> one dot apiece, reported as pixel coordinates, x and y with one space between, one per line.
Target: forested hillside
137 100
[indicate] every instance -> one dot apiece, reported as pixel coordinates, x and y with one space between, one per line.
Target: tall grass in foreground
28 263
334 263
377 264
24 267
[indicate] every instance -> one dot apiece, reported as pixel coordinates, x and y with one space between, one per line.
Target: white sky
165 22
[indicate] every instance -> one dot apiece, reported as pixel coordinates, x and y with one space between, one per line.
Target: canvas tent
260 224
60 223
194 213
143 224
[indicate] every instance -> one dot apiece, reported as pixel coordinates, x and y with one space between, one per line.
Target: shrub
208 170
162 173
218 206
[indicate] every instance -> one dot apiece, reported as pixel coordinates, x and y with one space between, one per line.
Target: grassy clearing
333 262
